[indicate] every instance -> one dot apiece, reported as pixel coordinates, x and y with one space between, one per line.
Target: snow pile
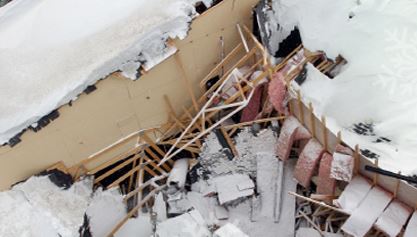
190 224
379 41
50 51
105 210
38 207
138 227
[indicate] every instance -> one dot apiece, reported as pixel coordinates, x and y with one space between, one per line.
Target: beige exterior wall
120 106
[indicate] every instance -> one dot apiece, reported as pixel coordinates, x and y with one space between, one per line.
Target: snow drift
50 51
377 86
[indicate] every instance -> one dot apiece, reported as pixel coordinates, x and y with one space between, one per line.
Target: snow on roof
50 51
379 41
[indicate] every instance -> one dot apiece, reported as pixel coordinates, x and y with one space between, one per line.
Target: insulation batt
326 184
178 174
342 167
411 229
394 218
291 131
277 92
354 193
364 216
307 162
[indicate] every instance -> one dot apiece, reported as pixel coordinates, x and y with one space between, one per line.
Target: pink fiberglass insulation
343 149
394 218
291 131
342 167
307 162
277 92
326 184
364 216
250 112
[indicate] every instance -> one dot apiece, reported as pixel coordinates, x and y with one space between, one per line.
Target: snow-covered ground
50 51
378 86
39 208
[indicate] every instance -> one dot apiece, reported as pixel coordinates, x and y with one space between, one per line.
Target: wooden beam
229 142
239 125
300 106
156 158
318 203
154 166
134 210
123 177
117 168
152 144
312 119
325 133
219 66
242 37
110 162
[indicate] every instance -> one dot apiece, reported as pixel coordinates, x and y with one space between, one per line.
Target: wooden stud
152 144
312 119
123 177
222 63
357 157
300 106
157 159
318 203
242 37
135 164
135 209
118 167
154 165
288 57
376 175
150 171
339 138
226 75
114 160
397 186
229 141
325 133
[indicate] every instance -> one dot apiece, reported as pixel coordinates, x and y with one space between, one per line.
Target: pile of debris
238 197
51 204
